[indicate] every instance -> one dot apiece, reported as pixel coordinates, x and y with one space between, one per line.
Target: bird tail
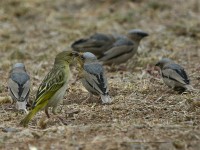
101 56
77 43
189 88
30 115
21 105
106 99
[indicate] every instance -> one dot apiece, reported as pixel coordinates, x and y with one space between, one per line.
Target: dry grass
145 114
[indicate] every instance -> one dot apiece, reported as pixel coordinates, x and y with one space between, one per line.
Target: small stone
178 144
9 129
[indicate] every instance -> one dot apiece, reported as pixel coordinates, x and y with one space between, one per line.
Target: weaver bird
52 89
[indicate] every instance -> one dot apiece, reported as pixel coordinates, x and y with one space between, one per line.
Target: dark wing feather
80 41
96 41
96 75
102 37
120 47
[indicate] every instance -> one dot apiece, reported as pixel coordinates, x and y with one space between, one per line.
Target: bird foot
46 112
87 99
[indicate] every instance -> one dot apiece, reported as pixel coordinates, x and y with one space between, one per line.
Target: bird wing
120 47
19 85
175 72
96 40
94 75
49 86
87 43
26 90
13 88
102 37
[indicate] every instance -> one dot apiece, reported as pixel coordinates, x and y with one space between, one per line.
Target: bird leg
54 109
87 99
46 112
122 67
26 111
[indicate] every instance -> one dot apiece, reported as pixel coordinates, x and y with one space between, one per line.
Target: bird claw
87 99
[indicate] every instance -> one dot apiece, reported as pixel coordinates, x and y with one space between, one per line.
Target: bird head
161 63
89 57
66 57
86 57
19 66
136 34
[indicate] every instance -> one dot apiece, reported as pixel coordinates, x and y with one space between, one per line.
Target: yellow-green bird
52 89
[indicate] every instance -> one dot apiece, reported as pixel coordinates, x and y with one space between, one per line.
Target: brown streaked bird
52 89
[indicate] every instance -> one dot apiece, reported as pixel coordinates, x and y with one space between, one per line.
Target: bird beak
144 34
81 56
157 66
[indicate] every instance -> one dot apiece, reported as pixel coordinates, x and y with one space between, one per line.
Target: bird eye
82 58
158 64
70 54
75 54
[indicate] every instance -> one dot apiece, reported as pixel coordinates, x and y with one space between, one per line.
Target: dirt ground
145 113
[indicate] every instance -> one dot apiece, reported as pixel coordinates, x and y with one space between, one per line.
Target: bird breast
58 96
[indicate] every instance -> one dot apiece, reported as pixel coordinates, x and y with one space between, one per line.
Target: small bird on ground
52 89
124 48
174 76
19 86
111 49
96 43
93 77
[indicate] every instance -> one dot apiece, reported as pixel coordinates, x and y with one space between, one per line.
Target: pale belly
172 83
58 96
